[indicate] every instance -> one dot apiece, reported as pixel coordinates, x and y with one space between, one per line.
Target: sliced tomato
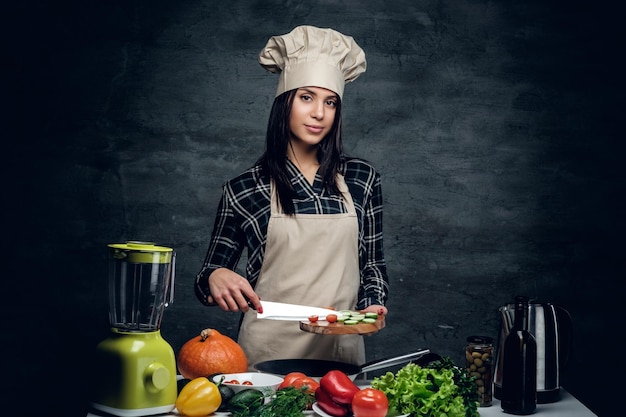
232 381
247 383
313 319
331 318
370 402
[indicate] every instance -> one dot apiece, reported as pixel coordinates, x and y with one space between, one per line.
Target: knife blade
292 312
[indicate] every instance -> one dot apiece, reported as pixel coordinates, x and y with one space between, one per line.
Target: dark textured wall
492 123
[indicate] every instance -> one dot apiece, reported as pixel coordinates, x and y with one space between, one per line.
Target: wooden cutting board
324 327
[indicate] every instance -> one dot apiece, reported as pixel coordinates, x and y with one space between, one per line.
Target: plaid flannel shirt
244 212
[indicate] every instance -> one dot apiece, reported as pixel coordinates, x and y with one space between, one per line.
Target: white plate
261 381
321 412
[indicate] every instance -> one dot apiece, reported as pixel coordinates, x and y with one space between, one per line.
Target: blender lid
141 252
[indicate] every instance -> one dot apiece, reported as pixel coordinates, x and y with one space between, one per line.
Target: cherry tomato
331 318
370 402
289 378
232 381
313 319
308 381
247 383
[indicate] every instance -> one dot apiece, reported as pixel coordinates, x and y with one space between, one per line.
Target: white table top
567 406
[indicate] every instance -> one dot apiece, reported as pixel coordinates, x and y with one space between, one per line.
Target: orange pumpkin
210 353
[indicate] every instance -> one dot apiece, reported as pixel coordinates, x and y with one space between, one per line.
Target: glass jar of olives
478 355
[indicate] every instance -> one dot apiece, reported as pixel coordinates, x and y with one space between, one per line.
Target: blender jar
141 285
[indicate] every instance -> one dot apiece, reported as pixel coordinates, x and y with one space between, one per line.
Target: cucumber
246 402
227 394
181 383
369 320
351 322
370 315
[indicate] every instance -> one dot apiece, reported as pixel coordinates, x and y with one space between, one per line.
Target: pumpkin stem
204 334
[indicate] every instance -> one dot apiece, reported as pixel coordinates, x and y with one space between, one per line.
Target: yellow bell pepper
200 397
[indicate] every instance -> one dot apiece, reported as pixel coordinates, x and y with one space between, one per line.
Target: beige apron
310 259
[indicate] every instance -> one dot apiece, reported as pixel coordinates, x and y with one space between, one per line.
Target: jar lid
482 340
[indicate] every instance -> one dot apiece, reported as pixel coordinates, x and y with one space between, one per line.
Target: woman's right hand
231 291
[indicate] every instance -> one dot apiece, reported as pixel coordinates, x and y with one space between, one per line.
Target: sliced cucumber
351 322
369 320
370 315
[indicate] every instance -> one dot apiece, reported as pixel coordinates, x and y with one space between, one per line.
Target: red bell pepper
328 405
339 387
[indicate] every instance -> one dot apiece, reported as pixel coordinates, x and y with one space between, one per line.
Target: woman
309 216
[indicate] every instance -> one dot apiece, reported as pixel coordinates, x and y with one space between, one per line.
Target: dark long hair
330 153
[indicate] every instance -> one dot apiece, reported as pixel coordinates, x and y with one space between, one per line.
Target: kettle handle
566 338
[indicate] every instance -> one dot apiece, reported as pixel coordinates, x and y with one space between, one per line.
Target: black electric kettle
552 328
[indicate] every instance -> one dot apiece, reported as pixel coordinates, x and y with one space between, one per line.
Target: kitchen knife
292 312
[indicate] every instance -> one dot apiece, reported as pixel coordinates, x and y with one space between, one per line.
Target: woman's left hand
375 308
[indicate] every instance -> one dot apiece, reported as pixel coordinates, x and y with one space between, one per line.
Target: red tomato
313 319
247 383
308 381
370 402
232 381
289 378
331 318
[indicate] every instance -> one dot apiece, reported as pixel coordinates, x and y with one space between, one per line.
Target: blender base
135 375
132 413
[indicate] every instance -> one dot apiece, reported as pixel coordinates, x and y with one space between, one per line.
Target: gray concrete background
493 124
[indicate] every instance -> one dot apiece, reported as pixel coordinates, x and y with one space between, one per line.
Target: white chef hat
310 56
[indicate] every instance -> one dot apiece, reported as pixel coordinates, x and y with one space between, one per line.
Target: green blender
135 367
